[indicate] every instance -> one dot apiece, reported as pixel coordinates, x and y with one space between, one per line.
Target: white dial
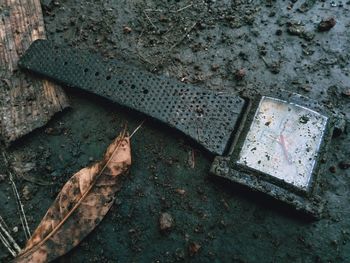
283 141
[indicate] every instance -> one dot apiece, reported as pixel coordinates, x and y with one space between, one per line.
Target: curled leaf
80 206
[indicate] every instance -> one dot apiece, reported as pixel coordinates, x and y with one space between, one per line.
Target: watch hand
285 151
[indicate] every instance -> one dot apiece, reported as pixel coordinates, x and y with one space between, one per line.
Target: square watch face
283 141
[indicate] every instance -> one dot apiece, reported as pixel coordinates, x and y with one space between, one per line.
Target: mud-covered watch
270 143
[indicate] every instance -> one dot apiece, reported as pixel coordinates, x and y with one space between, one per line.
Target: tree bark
26 103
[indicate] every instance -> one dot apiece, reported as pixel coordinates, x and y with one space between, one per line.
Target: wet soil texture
244 47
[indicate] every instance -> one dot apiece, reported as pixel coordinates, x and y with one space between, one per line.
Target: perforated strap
206 116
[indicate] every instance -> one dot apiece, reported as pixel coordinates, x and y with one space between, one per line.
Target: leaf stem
7 239
137 128
22 214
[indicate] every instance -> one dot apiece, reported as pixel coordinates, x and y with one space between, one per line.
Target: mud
205 43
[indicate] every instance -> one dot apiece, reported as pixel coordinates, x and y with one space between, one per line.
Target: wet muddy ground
245 47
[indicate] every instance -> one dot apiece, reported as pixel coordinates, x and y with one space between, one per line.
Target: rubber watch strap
206 116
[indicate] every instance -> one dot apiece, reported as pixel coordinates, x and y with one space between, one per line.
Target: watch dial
283 141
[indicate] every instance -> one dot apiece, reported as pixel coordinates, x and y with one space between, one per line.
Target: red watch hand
285 151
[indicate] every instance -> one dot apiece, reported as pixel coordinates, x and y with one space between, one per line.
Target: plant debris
80 206
20 206
194 248
306 6
7 239
296 28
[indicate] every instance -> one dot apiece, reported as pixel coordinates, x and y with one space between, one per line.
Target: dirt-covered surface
245 47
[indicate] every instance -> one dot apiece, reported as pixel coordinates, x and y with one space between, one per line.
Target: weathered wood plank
26 103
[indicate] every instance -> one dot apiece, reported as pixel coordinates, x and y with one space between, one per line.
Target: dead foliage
80 206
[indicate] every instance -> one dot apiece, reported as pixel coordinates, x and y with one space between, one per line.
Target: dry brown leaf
80 206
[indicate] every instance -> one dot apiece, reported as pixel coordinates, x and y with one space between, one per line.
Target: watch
273 143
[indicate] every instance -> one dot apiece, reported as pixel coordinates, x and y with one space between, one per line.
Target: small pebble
2 177
332 169
326 24
275 67
346 92
279 32
272 14
49 130
165 222
295 28
163 18
339 126
127 30
344 165
180 191
306 88
15 229
215 67
240 74
193 248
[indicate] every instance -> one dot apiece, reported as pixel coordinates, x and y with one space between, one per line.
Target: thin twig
193 163
2 222
7 245
154 10
184 36
22 214
264 60
183 8
137 128
149 19
23 217
7 239
138 50
37 181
